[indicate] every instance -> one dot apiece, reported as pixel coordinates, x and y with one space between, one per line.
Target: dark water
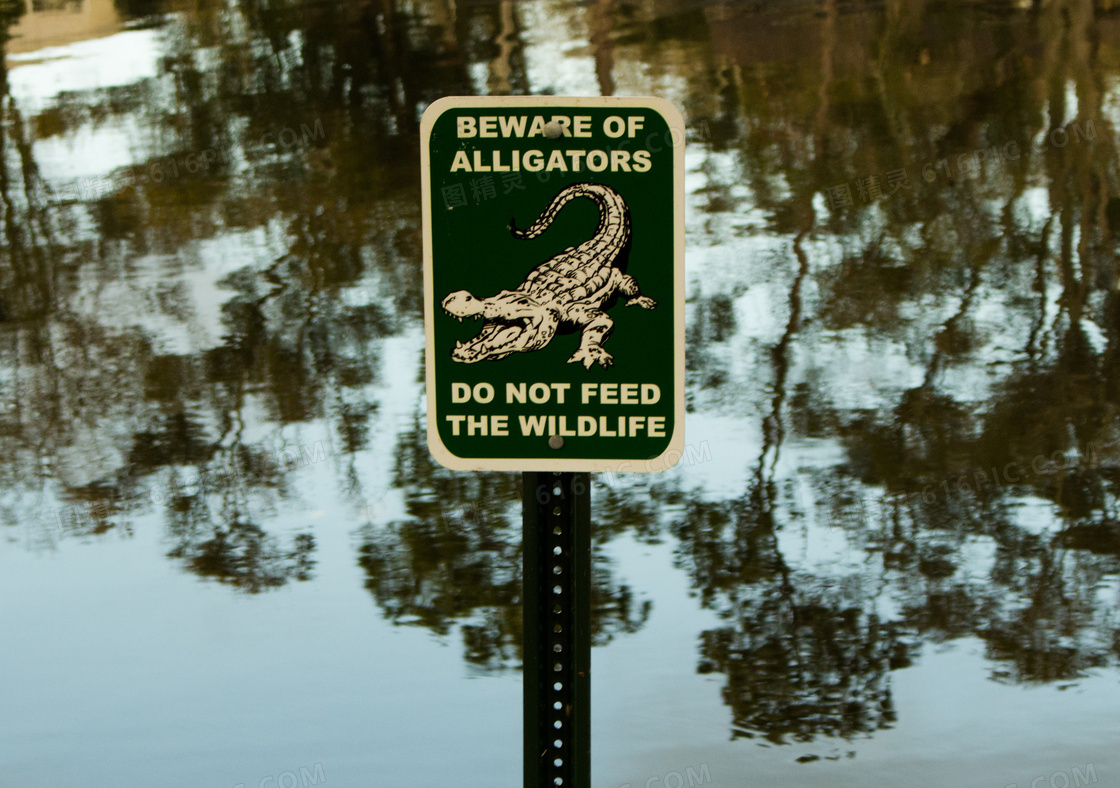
891 552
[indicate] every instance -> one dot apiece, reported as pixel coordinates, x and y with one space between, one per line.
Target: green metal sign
554 283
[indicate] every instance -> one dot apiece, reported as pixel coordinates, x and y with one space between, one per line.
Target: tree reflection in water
457 559
907 326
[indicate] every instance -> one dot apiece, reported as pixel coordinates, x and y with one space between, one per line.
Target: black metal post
556 610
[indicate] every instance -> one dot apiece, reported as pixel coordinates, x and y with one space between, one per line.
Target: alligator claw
591 356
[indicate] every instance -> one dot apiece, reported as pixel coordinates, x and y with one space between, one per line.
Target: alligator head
513 322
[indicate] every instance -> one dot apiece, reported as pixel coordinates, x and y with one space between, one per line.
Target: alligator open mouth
460 318
515 322
497 339
500 335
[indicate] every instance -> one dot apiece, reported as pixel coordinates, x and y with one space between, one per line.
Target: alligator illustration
568 290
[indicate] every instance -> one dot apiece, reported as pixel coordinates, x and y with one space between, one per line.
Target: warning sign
553 282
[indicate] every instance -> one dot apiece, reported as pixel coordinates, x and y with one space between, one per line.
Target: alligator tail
609 201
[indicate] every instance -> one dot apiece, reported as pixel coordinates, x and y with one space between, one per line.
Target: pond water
890 554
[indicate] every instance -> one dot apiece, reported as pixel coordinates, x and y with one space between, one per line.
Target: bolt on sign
554 282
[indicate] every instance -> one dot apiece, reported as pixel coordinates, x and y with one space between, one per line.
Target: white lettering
533 160
476 423
499 426
513 126
556 162
564 122
539 393
614 126
460 161
597 161
531 425
483 392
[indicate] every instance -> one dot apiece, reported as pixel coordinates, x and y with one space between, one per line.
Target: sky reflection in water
891 552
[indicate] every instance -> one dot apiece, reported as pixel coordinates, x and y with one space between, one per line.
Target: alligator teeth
460 320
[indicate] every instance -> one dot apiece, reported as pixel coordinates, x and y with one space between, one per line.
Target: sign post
556 610
554 326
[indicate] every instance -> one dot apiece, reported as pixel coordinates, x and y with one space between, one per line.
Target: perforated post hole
557 629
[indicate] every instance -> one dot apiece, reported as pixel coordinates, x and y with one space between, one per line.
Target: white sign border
675 448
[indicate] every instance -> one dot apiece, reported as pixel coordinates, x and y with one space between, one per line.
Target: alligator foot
590 355
645 302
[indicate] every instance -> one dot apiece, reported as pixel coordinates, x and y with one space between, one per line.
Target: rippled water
890 555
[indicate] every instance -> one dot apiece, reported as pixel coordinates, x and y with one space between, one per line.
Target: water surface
890 555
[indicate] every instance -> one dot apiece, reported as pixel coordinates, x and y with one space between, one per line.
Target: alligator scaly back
591 261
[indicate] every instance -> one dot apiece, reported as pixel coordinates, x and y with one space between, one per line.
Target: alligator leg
597 326
628 286
540 327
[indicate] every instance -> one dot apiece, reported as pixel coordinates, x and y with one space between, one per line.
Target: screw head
556 442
